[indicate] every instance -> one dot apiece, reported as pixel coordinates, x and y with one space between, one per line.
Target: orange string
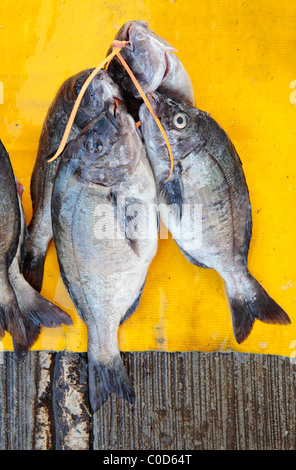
118 45
145 99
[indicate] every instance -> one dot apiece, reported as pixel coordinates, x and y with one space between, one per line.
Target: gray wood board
184 401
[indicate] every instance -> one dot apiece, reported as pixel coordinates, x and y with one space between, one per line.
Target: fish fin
129 214
33 268
233 151
36 311
105 379
242 318
253 302
172 191
19 351
134 306
135 213
11 319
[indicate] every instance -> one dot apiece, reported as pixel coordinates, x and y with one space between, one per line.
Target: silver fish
22 310
98 96
103 191
154 64
208 174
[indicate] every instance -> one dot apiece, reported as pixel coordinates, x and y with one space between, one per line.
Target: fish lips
134 31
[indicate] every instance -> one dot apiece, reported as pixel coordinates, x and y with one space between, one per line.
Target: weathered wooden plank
202 401
62 416
44 434
184 401
70 402
17 398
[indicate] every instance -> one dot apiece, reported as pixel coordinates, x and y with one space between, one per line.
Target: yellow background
241 58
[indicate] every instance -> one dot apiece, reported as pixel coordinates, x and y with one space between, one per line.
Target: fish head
107 149
181 122
145 54
99 95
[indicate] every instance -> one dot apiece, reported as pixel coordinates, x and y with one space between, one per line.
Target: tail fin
11 321
33 269
251 301
105 379
10 316
35 311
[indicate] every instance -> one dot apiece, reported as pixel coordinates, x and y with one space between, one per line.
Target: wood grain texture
184 401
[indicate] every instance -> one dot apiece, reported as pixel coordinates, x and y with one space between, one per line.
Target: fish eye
98 146
92 145
180 120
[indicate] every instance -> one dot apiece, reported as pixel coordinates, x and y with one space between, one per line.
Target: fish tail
250 301
36 312
105 379
11 319
33 268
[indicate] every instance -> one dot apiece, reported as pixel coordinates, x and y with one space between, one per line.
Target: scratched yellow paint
241 58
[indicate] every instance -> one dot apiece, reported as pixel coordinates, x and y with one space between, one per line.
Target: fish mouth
117 106
116 114
140 39
118 117
131 27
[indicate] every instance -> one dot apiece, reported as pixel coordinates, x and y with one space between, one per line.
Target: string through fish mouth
117 47
146 101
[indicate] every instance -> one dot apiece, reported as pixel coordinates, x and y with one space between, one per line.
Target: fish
208 175
153 62
98 96
105 228
23 311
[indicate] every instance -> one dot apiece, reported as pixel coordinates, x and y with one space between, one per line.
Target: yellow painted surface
241 58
